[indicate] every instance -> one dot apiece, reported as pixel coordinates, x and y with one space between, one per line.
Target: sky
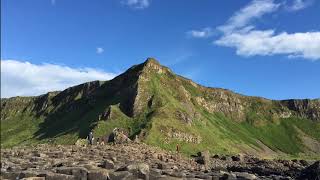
268 48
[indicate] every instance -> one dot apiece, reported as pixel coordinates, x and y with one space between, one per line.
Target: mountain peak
151 64
151 60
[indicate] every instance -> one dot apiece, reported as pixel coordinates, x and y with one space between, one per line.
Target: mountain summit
163 109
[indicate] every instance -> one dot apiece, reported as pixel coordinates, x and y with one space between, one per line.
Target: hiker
102 140
90 138
177 148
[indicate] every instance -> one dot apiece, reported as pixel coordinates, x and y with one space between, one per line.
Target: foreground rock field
139 161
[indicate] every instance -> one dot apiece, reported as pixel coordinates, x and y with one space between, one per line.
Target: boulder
38 154
10 175
216 156
203 158
78 172
107 164
226 158
304 162
238 157
178 174
21 174
119 136
160 166
119 175
245 175
139 170
32 173
184 117
155 173
57 176
98 174
34 178
227 176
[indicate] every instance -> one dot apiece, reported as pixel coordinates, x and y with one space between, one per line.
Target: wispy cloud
246 15
299 4
239 32
20 78
53 2
99 50
203 33
136 4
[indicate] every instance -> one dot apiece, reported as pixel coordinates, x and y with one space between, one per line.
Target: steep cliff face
143 94
239 107
305 108
12 106
164 109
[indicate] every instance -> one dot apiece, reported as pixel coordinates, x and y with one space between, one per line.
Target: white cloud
204 33
253 10
298 5
306 45
20 78
136 4
240 33
99 50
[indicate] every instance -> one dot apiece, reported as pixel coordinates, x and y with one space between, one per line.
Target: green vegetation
14 131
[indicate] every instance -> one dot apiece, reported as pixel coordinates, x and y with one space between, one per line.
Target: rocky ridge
137 97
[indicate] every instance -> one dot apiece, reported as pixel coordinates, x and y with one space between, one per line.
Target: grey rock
140 170
304 162
155 173
178 174
203 158
79 173
56 176
119 175
34 178
98 174
237 158
10 175
108 164
245 176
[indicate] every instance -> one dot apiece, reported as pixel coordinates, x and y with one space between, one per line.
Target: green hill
165 109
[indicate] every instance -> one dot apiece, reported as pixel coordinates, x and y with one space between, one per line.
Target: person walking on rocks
90 138
178 148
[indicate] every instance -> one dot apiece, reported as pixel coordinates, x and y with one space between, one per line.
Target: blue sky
259 48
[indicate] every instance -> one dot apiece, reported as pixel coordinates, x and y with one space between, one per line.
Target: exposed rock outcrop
305 108
119 136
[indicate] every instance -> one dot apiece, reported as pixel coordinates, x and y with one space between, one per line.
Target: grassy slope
19 130
223 135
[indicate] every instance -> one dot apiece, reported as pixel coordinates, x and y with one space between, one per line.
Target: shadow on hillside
80 116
